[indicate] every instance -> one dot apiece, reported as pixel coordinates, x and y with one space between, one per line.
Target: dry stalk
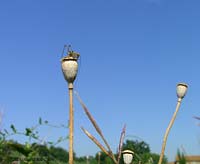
93 122
98 144
168 130
121 143
109 152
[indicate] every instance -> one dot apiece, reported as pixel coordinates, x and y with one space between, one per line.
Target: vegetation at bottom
181 157
38 151
11 151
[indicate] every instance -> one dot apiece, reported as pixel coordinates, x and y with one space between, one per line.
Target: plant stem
168 130
71 123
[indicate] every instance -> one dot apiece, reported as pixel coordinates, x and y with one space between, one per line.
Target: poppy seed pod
70 66
181 90
127 156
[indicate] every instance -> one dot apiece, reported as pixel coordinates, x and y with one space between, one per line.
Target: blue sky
133 53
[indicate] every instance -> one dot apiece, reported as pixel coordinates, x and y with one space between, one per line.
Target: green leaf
40 120
28 131
27 145
13 128
60 139
35 136
51 143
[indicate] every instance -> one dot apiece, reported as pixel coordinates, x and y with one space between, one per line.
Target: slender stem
99 157
71 123
168 129
121 143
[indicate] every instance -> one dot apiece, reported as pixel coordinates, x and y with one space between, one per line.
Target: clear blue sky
133 53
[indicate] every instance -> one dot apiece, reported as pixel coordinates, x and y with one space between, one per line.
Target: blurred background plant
35 150
181 157
142 152
39 151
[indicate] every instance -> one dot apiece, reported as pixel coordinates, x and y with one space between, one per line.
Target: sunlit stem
168 130
71 123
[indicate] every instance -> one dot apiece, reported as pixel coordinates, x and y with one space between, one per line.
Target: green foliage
181 157
140 147
103 158
47 153
142 152
13 151
108 160
31 152
59 153
32 133
40 121
28 132
13 128
8 153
